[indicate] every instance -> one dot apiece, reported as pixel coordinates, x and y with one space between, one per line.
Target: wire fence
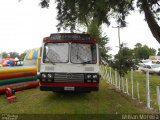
137 85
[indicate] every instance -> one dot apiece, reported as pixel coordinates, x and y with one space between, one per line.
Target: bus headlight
88 76
44 76
95 76
50 76
92 77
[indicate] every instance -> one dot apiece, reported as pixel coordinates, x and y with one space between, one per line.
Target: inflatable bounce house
0 60
18 78
32 58
10 62
21 77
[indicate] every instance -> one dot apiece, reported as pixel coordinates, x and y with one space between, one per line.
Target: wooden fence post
138 96
119 82
132 83
122 84
116 78
105 73
110 75
102 72
113 79
127 86
147 90
158 97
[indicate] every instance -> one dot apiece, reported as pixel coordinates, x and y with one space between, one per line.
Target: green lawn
105 101
140 77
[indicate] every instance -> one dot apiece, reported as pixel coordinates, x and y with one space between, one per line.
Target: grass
140 77
105 101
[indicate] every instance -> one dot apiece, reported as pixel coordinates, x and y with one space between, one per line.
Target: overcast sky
24 24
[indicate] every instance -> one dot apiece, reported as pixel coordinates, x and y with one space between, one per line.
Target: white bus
69 62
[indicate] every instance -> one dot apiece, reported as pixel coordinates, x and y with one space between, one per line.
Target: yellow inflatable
33 58
17 69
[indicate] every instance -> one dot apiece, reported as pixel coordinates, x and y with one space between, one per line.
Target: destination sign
70 36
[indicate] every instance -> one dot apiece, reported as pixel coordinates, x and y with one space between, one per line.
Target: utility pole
118 27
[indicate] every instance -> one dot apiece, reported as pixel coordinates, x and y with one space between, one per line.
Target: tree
72 11
4 54
143 52
158 52
22 55
14 54
126 57
151 9
96 32
123 60
138 45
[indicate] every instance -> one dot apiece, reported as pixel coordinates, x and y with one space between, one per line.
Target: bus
69 62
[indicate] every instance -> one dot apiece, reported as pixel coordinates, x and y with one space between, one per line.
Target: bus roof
70 37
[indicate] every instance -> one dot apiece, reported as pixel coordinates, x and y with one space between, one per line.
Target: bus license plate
69 88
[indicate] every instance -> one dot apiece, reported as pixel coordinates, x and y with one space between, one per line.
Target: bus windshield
56 52
83 53
79 53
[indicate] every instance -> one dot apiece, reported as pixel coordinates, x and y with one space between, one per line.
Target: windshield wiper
85 62
51 61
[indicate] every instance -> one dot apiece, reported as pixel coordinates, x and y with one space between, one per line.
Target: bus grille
68 77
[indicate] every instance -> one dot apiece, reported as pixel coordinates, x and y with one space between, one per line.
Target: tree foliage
96 32
14 54
22 55
151 9
158 52
71 12
4 54
123 60
143 52
126 57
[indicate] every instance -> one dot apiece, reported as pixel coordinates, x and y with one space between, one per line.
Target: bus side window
94 55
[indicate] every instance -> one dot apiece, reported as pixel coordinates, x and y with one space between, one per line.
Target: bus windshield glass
79 53
83 53
56 52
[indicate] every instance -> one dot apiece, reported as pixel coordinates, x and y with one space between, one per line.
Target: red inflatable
17 75
19 86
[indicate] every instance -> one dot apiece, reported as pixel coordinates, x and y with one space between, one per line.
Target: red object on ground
10 95
11 99
19 86
9 92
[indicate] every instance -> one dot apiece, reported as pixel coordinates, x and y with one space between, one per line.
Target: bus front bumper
69 88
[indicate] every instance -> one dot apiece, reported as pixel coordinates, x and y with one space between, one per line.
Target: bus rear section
69 62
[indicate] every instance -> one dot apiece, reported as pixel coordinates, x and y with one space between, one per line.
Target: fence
137 85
